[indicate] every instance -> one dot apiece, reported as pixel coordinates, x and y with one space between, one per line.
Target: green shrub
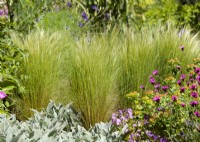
10 61
102 15
63 21
165 10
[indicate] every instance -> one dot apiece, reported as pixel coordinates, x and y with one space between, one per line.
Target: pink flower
193 86
182 47
142 87
197 114
2 95
183 76
183 104
152 80
157 86
194 94
165 88
194 103
156 98
174 98
155 72
179 82
182 89
197 70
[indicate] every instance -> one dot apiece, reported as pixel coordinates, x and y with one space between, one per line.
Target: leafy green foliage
65 20
104 14
25 14
170 108
166 10
10 61
56 123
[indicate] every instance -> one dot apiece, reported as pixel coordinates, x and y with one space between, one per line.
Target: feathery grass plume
43 70
93 78
150 49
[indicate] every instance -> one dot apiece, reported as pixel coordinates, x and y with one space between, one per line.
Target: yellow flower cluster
196 60
169 79
132 94
150 92
147 100
174 61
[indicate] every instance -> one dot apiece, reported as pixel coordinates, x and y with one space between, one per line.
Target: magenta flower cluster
192 82
2 95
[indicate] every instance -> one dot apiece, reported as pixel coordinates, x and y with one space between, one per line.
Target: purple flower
179 82
1 12
174 98
94 7
149 133
2 95
146 117
159 109
152 80
81 24
120 112
130 113
182 89
194 103
114 117
165 88
155 137
155 72
6 11
118 121
198 79
84 16
193 86
194 94
131 138
69 4
107 16
197 70
183 76
157 86
183 104
182 47
197 113
142 87
163 140
188 83
146 122
157 99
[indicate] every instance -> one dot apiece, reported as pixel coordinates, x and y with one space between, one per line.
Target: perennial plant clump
169 110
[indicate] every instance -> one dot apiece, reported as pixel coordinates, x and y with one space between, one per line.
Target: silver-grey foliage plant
57 123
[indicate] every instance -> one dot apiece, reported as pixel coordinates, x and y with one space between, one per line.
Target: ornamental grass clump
150 49
93 76
172 104
42 68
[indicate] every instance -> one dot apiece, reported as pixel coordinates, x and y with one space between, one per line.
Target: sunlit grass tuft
93 78
42 69
150 49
